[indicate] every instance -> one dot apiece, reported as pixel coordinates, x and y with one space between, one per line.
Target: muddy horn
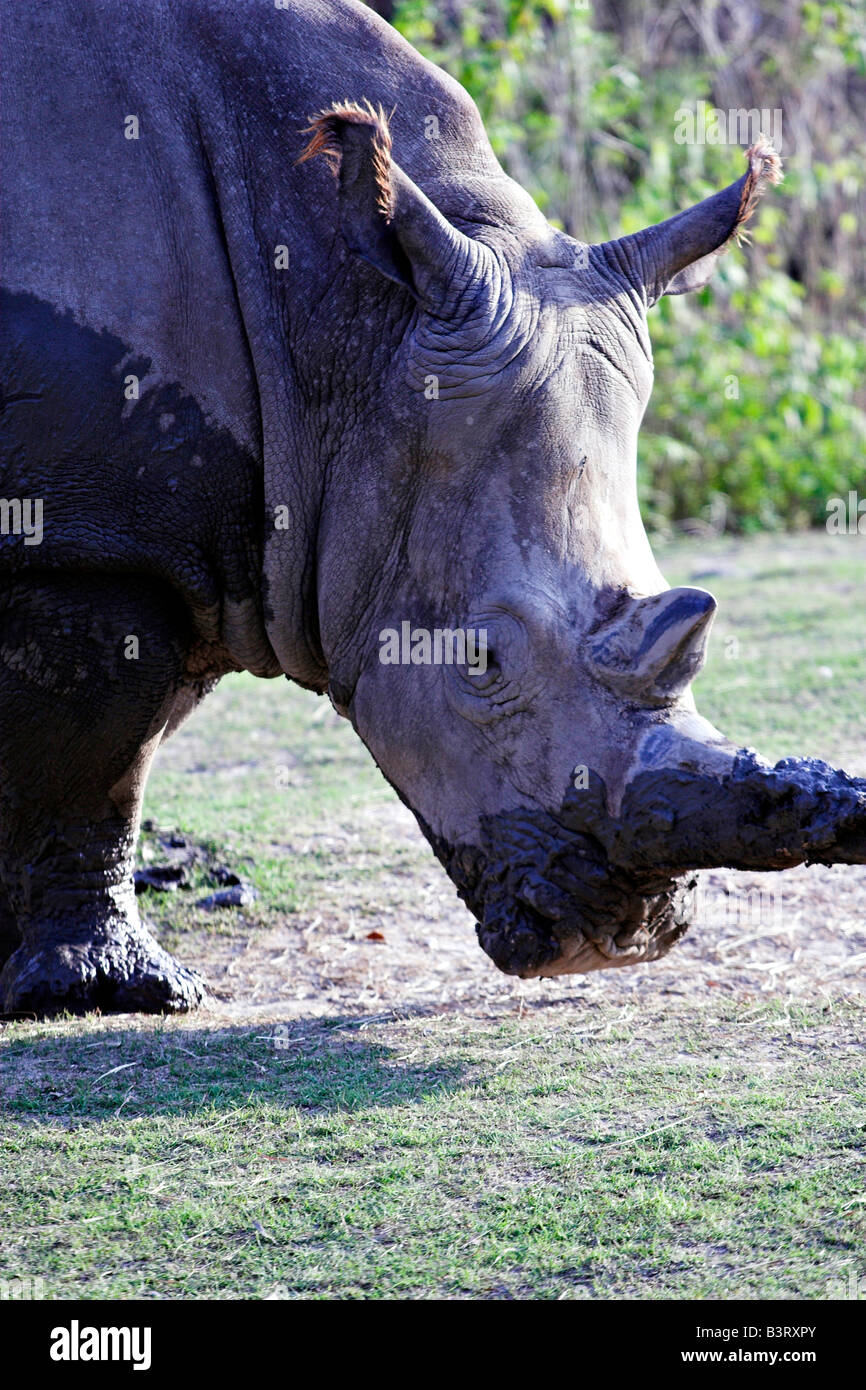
602 884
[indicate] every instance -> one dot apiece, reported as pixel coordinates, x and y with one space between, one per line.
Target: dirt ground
797 935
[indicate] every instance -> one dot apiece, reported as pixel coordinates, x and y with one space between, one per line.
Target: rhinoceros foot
118 968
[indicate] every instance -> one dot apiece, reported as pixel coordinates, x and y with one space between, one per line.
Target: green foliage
759 409
755 426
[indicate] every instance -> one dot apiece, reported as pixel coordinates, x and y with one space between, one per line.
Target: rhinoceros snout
585 889
548 901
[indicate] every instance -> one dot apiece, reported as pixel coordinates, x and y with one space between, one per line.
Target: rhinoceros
289 362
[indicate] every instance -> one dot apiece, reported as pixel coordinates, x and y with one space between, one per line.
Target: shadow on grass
74 1079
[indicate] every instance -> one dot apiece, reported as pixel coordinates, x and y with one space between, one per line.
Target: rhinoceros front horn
654 647
606 882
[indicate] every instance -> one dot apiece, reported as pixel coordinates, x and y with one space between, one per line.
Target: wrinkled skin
431 415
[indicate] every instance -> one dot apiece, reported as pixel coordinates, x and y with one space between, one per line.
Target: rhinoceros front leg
89 677
10 936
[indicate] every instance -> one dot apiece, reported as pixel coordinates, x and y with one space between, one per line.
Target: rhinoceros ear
384 216
681 254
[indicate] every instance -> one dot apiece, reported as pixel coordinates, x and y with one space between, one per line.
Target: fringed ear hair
384 217
328 138
765 167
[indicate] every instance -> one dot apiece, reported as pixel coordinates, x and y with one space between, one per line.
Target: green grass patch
786 669
665 1154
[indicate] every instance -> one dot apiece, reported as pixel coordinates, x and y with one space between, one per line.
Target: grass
694 1147
441 1157
274 770
787 656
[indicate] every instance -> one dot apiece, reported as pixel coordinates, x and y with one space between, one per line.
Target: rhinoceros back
128 397
149 349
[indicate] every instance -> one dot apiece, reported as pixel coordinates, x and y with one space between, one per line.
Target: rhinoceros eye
485 672
489 683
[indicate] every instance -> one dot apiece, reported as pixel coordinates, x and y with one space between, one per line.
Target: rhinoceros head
515 660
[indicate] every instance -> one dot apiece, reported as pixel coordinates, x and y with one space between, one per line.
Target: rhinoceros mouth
584 890
548 901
